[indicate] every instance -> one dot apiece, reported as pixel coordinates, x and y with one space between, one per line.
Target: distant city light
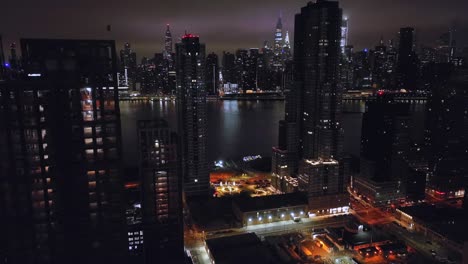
219 164
251 158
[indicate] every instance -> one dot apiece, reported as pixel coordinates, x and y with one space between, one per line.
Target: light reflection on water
241 128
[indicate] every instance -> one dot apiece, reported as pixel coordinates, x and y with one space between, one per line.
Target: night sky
221 24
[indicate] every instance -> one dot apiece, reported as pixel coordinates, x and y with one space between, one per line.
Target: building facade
191 105
316 80
161 193
61 161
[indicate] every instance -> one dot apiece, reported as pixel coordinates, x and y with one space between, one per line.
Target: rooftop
244 248
445 220
360 238
188 35
250 204
317 162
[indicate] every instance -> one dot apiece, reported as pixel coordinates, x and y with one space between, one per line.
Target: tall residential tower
316 81
161 189
191 104
60 168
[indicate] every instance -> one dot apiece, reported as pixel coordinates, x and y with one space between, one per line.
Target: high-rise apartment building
447 136
161 193
317 83
191 104
61 155
385 145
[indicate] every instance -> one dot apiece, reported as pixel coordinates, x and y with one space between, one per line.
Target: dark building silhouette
128 65
252 69
385 138
416 185
265 74
407 69
229 64
285 155
447 136
168 44
14 62
362 69
168 70
242 69
385 144
191 105
161 193
212 74
380 73
60 178
317 86
2 61
347 67
151 76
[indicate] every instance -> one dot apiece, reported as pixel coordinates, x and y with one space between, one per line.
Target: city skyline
143 25
302 148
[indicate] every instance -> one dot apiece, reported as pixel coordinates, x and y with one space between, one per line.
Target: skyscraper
287 48
14 61
316 79
285 154
380 74
229 64
191 105
407 60
161 193
277 48
362 69
344 35
242 69
168 43
60 168
230 77
347 68
384 152
447 135
252 68
385 139
128 65
212 74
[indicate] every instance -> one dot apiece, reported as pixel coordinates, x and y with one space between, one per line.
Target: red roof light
189 36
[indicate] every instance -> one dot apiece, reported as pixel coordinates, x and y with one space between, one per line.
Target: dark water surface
241 128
